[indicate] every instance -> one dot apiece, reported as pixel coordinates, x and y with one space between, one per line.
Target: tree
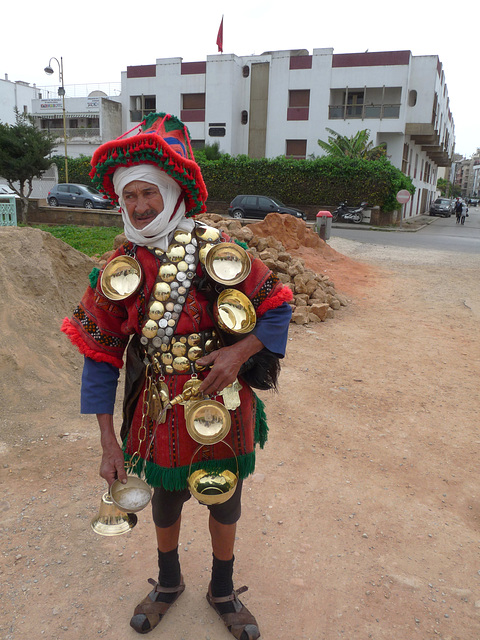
24 152
356 146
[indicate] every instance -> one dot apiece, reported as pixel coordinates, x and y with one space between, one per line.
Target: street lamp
61 92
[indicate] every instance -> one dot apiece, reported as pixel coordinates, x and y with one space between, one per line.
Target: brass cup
121 277
209 487
228 263
234 312
132 496
208 421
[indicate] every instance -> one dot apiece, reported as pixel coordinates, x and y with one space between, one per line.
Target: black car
442 207
259 207
77 195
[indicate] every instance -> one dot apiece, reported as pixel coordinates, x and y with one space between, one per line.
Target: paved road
442 234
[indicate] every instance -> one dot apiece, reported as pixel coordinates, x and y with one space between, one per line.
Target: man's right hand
113 464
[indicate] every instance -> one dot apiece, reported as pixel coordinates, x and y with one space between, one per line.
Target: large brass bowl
131 497
121 278
212 488
234 312
228 263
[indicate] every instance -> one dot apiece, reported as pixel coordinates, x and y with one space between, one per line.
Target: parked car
259 207
77 195
442 207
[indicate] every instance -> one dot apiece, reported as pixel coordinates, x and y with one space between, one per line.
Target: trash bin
323 224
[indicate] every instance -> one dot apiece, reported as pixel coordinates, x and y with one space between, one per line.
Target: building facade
467 176
90 121
16 95
281 102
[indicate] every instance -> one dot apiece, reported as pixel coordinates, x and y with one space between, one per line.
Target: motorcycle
349 214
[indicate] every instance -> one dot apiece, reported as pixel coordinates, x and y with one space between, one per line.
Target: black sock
222 583
169 574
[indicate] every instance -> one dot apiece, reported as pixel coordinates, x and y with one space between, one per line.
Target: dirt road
362 519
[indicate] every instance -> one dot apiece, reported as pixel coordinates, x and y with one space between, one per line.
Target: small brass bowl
208 421
228 263
132 496
121 278
212 488
234 312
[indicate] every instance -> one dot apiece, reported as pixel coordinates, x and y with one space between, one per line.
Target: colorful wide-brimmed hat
162 140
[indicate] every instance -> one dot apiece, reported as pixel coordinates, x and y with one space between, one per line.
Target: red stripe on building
376 59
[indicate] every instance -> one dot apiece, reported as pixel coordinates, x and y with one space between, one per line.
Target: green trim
93 277
242 244
176 479
261 428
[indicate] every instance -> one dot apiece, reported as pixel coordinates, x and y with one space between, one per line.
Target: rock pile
314 296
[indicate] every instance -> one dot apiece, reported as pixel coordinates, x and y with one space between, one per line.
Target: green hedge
322 181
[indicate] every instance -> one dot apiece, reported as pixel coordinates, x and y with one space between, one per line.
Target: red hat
162 140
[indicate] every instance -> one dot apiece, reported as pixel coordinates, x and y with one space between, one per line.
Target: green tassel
176 479
242 244
261 428
93 277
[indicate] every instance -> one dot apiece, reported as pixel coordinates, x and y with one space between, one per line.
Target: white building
280 103
15 95
90 121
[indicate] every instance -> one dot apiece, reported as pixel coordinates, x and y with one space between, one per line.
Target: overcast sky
97 41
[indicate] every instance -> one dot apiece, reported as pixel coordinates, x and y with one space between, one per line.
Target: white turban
157 232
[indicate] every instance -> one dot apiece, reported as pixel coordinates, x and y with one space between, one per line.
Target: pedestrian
161 312
464 213
458 210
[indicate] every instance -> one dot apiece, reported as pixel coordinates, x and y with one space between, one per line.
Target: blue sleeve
99 387
272 329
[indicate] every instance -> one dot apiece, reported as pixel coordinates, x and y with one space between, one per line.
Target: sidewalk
409 225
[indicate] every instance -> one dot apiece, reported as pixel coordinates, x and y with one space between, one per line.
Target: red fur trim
76 338
284 295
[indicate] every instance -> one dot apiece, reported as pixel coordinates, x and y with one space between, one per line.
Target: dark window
245 71
73 124
216 132
355 104
250 201
298 104
193 101
140 106
244 118
63 188
296 149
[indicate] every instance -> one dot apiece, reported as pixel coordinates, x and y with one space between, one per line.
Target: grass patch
92 241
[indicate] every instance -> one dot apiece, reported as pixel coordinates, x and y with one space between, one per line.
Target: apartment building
89 121
467 176
281 102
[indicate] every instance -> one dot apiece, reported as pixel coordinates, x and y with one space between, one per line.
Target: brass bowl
234 312
208 421
121 277
228 263
132 496
212 488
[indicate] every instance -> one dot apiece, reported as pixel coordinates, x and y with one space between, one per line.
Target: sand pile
41 281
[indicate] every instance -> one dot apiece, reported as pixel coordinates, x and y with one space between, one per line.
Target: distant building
281 102
467 176
89 122
16 95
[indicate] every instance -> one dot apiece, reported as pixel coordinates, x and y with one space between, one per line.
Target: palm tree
357 146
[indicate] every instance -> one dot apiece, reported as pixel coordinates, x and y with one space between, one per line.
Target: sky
98 41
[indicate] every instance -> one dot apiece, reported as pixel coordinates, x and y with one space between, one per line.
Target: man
167 323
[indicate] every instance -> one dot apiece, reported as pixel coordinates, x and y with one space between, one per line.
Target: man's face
144 202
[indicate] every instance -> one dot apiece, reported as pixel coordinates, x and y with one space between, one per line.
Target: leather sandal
240 621
149 611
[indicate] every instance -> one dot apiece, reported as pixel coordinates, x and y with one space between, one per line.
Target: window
354 104
296 149
140 106
73 124
298 104
412 98
193 107
405 159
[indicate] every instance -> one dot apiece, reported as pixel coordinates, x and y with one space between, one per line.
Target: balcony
364 112
426 136
88 134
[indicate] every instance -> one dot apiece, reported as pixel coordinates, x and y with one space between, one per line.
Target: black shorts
167 506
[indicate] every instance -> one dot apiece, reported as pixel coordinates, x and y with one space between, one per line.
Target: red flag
220 37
